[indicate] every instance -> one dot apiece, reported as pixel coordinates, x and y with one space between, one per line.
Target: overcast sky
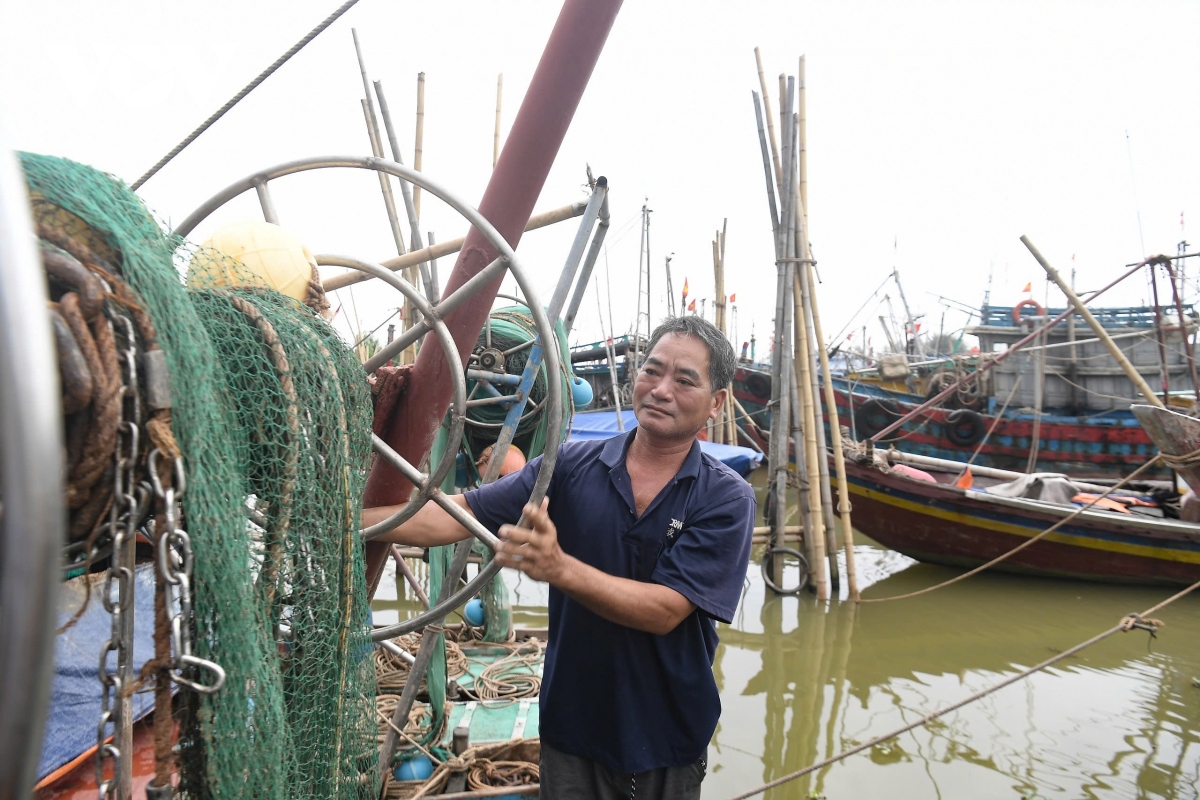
939 132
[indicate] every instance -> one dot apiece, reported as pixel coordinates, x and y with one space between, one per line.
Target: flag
685 287
1028 288
733 297
692 306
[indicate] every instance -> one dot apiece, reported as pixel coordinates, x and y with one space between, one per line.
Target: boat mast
912 324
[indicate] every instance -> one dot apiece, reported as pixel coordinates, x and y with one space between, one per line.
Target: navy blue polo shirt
631 700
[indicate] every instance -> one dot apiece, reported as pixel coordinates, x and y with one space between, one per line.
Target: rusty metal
537 133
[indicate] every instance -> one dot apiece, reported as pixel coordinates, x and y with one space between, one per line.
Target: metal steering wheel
433 316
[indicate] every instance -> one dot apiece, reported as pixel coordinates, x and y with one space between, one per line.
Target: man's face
672 397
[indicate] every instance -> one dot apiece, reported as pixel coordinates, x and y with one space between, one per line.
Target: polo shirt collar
613 455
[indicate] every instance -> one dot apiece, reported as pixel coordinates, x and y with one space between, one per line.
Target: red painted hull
940 524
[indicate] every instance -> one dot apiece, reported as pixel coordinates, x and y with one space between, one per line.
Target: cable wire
279 62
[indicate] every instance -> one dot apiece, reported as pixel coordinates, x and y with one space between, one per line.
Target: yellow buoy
259 254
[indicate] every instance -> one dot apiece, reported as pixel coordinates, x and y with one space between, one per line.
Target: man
644 541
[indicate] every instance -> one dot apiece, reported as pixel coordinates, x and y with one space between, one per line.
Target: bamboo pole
801 362
812 453
762 82
419 140
450 246
779 367
385 183
496 133
1096 327
814 344
800 104
719 427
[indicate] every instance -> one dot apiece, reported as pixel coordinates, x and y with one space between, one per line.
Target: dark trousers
568 777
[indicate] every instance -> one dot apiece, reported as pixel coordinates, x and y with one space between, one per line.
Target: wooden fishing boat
935 521
1106 445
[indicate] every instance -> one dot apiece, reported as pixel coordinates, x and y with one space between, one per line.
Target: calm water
801 681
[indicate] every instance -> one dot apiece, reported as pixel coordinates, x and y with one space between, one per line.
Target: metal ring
789 551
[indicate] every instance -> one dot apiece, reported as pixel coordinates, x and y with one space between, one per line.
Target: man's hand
533 550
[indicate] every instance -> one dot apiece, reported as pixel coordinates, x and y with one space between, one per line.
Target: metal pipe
398 651
1183 329
421 662
402 566
988 365
537 133
266 203
33 520
437 313
589 263
451 246
565 278
1096 327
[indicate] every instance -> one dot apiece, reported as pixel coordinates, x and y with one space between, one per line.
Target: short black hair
722 362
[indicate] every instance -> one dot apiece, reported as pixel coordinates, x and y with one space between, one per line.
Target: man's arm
649 607
429 527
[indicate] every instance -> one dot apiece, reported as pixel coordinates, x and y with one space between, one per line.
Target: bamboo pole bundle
766 97
814 343
801 359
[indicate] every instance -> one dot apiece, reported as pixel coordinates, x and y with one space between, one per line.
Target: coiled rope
1142 621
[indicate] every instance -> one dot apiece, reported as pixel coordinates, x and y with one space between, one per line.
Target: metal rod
1183 329
421 663
451 246
565 278
589 263
402 566
388 351
265 201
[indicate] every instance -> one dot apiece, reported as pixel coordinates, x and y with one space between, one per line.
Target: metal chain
175 566
123 521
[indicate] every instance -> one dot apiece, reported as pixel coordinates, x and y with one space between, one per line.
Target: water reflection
802 681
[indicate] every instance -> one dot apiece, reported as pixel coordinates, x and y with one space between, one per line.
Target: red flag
733 297
692 306
1028 287
685 287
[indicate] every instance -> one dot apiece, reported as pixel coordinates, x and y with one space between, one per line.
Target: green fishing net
272 414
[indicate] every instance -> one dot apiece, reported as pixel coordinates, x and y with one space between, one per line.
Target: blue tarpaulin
603 425
75 689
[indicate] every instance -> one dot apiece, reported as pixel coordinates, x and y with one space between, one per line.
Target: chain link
124 518
174 552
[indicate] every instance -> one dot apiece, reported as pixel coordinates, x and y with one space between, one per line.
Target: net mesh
271 410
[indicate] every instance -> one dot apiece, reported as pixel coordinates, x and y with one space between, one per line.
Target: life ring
873 416
1038 311
964 427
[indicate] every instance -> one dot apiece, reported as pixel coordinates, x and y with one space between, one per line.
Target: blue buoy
474 612
581 391
417 768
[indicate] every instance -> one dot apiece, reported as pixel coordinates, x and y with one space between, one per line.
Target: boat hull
940 524
1108 446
